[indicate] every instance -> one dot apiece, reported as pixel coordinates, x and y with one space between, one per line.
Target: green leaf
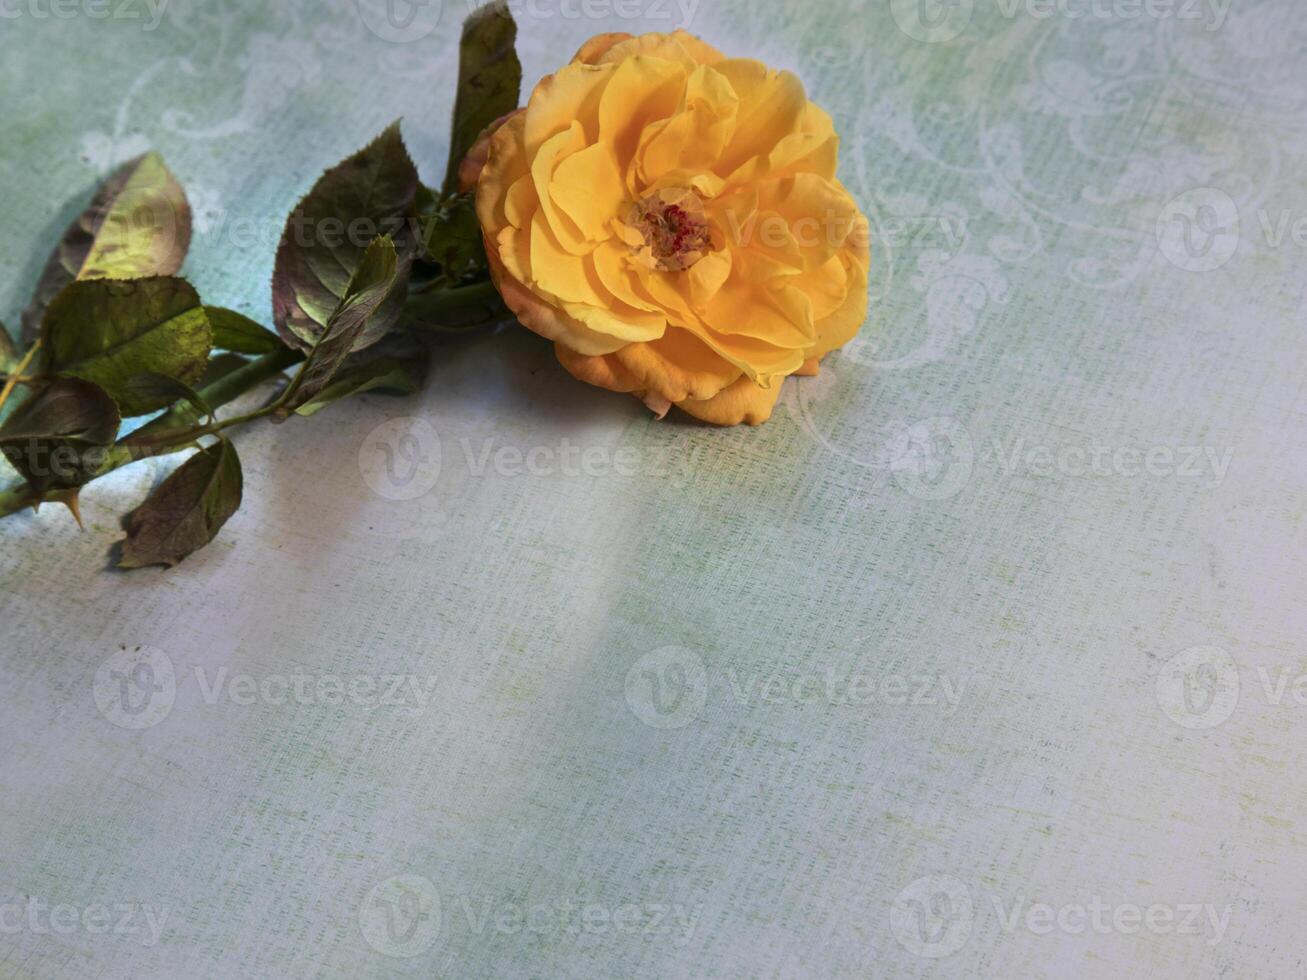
489 81
186 511
9 356
138 224
397 365
369 195
452 241
110 331
372 285
59 436
155 387
236 332
219 366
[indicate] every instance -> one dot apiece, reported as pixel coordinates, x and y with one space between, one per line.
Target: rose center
671 228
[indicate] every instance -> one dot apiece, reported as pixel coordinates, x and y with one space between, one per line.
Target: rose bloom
670 218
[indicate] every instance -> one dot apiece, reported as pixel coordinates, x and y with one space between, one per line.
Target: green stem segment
181 426
173 430
17 377
445 311
460 298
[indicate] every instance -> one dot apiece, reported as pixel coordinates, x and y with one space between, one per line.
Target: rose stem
220 392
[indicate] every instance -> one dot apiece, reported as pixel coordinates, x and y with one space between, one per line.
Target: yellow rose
671 220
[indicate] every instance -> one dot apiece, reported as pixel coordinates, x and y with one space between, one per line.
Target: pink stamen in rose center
672 226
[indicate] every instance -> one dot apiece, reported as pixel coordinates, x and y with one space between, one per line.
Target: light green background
1065 451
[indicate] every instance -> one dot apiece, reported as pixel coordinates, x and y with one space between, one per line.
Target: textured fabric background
983 657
